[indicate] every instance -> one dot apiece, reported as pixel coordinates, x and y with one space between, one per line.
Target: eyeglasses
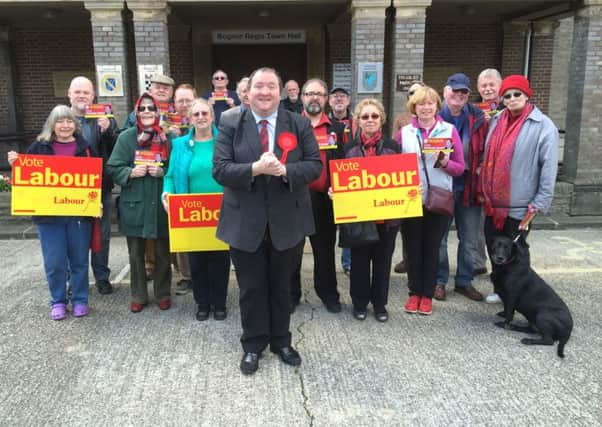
219 77
462 91
513 94
200 113
318 94
372 116
184 101
339 96
143 108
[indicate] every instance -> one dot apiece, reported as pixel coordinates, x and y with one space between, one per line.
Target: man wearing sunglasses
221 98
472 127
330 135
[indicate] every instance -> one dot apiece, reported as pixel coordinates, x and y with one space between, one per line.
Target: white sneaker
493 298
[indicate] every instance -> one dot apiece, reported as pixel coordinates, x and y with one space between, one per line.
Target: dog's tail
561 342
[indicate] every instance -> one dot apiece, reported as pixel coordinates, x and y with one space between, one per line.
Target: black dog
521 289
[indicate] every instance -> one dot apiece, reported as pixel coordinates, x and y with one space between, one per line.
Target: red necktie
263 135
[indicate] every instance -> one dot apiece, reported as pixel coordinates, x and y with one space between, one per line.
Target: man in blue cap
472 128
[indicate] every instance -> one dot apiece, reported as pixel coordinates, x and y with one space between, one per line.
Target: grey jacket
534 163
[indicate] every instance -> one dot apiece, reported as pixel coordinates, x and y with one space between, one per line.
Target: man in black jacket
101 134
292 101
330 137
266 212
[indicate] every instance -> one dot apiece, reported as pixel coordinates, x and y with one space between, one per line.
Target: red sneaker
136 307
165 304
426 306
412 304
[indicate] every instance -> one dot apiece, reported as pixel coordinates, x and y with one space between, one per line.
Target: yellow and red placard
95 111
56 185
219 96
177 120
435 145
193 221
375 188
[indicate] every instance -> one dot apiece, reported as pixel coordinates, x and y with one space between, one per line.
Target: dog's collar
512 258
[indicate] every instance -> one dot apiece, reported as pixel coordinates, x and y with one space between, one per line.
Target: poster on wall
341 76
145 72
369 77
110 80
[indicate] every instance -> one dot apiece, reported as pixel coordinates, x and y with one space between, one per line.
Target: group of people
501 166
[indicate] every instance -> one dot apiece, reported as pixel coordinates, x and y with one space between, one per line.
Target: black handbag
356 234
438 200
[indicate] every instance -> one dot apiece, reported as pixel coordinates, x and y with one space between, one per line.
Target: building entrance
290 60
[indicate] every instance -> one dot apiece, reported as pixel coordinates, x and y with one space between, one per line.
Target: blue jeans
468 221
346 258
65 246
100 260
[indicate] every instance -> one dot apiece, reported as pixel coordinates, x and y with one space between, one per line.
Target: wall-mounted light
264 13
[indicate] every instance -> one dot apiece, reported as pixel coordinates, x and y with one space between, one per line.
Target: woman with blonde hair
422 235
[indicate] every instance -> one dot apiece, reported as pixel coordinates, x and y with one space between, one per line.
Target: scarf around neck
153 137
369 143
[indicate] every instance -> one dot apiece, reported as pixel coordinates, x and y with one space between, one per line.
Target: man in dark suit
266 212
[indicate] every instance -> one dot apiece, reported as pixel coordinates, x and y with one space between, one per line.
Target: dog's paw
500 314
502 325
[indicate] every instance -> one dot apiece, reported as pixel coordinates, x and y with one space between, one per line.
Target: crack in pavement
298 369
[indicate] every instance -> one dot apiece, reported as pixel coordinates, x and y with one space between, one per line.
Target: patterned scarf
152 138
369 143
495 174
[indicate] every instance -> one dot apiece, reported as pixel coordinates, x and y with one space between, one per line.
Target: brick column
8 115
367 39
513 52
582 154
540 72
407 56
110 48
150 32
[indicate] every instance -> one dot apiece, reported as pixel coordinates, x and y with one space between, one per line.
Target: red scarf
153 138
369 143
495 174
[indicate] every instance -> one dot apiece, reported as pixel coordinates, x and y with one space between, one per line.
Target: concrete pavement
165 368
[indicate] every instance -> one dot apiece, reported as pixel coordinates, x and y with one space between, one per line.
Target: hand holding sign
287 142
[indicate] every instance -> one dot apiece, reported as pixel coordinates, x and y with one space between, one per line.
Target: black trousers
161 272
422 237
264 278
209 272
365 287
322 244
510 230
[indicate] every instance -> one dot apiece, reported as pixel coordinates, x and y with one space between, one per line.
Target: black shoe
360 313
249 363
400 267
381 315
288 355
333 307
104 287
220 314
202 313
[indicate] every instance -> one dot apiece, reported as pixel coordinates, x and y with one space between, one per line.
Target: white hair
490 72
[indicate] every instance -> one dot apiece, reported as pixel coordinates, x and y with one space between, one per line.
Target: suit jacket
253 204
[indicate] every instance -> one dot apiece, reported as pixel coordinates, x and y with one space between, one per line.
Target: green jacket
141 212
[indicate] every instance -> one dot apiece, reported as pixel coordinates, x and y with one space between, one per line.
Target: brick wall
4 81
513 50
180 57
540 72
367 45
454 48
37 55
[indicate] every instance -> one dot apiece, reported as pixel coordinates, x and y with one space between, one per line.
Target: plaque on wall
404 81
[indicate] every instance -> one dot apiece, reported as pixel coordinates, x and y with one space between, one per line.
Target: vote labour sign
56 185
193 222
375 188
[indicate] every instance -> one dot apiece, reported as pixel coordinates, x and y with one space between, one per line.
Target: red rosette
287 141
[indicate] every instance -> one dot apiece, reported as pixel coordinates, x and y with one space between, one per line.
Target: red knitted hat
516 81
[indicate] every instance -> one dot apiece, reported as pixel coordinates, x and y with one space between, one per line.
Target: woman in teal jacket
190 172
138 164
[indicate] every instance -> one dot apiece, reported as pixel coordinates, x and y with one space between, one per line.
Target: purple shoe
58 311
80 310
